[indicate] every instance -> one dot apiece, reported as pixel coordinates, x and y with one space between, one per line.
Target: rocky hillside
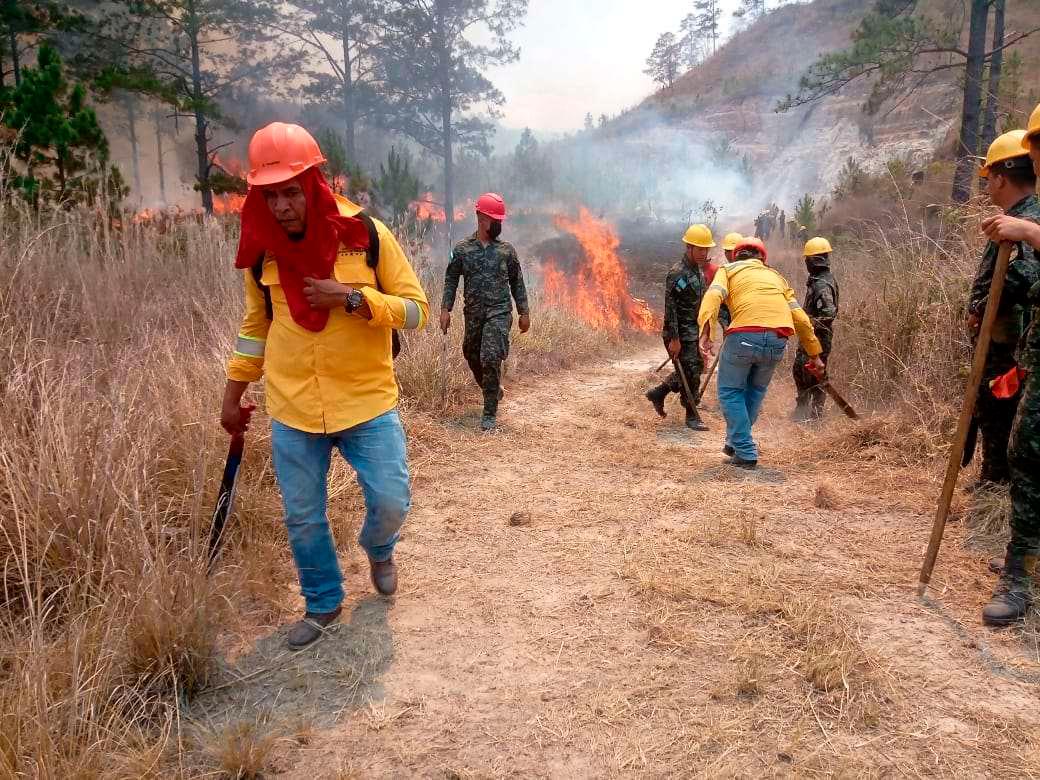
734 95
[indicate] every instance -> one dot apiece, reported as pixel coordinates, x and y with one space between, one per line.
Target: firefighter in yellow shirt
326 286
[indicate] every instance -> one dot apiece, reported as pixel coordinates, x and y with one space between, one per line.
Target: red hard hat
280 152
491 204
752 243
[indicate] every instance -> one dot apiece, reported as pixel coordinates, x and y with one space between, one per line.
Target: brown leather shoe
311 628
384 575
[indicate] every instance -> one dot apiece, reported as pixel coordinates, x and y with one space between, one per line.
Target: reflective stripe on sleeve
412 314
794 305
720 290
249 346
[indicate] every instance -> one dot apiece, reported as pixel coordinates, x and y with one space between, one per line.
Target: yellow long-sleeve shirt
757 297
342 375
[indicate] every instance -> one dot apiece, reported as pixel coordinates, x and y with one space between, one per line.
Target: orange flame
228 204
598 290
431 207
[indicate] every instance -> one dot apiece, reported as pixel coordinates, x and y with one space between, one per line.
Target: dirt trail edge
591 592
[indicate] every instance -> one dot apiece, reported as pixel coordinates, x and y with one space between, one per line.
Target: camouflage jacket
1023 273
492 273
821 299
684 287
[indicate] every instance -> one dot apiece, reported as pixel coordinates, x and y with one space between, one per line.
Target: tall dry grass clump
111 344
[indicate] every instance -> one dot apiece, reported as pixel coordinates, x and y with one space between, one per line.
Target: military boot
694 421
1014 592
657 396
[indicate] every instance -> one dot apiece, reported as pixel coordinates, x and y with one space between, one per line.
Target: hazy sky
585 55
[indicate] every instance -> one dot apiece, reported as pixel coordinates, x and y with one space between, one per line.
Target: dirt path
591 593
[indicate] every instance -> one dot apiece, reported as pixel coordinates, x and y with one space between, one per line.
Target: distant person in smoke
492 273
765 315
821 304
782 223
684 288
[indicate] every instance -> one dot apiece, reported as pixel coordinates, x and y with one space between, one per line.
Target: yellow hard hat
729 243
699 235
817 246
1005 147
1033 128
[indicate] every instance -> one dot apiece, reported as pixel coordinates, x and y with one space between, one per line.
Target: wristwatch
355 300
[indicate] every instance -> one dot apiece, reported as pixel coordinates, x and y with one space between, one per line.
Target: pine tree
750 10
691 44
344 35
708 18
433 73
178 52
397 186
663 63
61 151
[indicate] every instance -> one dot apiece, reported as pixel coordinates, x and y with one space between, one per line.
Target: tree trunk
968 144
996 66
449 168
201 123
135 154
349 111
159 154
16 65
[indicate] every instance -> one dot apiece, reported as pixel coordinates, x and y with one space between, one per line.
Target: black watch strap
355 300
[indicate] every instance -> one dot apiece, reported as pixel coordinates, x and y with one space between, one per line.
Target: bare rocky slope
734 95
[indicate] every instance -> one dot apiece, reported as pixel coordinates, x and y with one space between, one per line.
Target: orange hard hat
751 243
491 205
280 152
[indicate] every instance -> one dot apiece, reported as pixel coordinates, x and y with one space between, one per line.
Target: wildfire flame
228 204
431 207
598 289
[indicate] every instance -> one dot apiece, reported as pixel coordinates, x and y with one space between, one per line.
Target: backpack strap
372 260
372 252
258 272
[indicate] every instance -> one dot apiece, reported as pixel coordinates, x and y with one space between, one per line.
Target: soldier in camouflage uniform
1013 594
684 288
821 304
492 273
1014 192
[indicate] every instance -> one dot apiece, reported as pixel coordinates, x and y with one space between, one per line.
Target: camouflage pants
485 345
1024 460
996 416
810 395
692 366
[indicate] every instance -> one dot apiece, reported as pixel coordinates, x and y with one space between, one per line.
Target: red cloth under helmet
314 255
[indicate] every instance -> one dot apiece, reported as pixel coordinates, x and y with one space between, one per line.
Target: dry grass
987 514
112 349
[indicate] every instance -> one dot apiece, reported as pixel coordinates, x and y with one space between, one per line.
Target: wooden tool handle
971 392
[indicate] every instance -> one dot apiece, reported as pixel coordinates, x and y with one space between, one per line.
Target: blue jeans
376 450
745 368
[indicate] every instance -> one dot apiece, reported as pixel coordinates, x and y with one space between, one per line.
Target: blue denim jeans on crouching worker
747 364
377 452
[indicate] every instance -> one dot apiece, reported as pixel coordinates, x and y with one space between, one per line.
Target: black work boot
1014 592
694 421
657 396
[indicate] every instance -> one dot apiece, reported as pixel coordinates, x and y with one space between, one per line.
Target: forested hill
734 95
